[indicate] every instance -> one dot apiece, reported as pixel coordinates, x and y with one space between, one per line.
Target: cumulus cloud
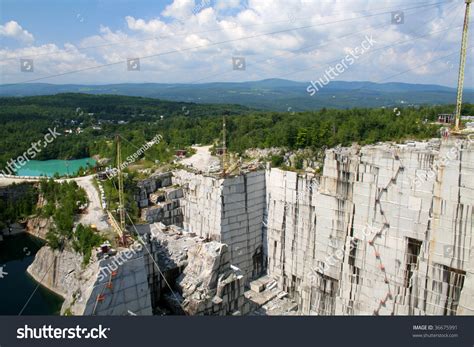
179 9
226 4
49 59
15 31
196 40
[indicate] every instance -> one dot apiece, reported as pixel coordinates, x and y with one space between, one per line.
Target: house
446 118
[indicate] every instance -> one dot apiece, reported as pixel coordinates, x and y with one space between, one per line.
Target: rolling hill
270 94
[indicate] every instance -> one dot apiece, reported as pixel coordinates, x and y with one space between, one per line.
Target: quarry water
16 286
50 167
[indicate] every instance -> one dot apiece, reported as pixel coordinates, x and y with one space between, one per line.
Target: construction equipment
120 185
115 225
224 148
119 227
462 63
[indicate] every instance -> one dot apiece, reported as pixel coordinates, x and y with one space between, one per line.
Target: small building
446 118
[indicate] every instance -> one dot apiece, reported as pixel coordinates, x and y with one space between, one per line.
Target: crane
119 226
462 63
120 185
224 147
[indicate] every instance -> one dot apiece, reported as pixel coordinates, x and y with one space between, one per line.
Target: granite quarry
385 229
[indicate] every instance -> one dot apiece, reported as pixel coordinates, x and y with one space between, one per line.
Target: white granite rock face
121 287
166 212
201 203
229 211
63 273
387 230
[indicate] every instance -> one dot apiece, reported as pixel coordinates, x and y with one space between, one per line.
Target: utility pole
462 63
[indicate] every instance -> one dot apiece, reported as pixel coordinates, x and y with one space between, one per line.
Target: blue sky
195 40
76 18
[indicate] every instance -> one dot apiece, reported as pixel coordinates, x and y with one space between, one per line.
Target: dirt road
202 160
94 214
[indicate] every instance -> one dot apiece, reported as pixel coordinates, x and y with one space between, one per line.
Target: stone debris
166 194
150 186
199 273
163 205
227 210
208 285
265 299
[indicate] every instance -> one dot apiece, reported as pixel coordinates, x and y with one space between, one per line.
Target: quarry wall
386 230
227 210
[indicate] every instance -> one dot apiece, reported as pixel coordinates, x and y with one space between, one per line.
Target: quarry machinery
462 63
119 226
224 148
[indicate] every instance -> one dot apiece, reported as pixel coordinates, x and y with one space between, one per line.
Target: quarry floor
202 160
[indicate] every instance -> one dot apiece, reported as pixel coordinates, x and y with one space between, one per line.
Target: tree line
25 120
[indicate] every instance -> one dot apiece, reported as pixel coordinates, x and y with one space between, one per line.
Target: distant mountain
271 94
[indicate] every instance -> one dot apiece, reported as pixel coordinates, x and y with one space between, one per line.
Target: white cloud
48 59
179 9
303 54
14 30
226 4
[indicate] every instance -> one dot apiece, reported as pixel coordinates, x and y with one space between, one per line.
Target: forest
21 203
63 201
138 120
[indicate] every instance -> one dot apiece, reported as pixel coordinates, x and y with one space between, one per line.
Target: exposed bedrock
388 230
63 273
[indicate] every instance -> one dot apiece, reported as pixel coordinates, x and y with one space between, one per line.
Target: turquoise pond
50 167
